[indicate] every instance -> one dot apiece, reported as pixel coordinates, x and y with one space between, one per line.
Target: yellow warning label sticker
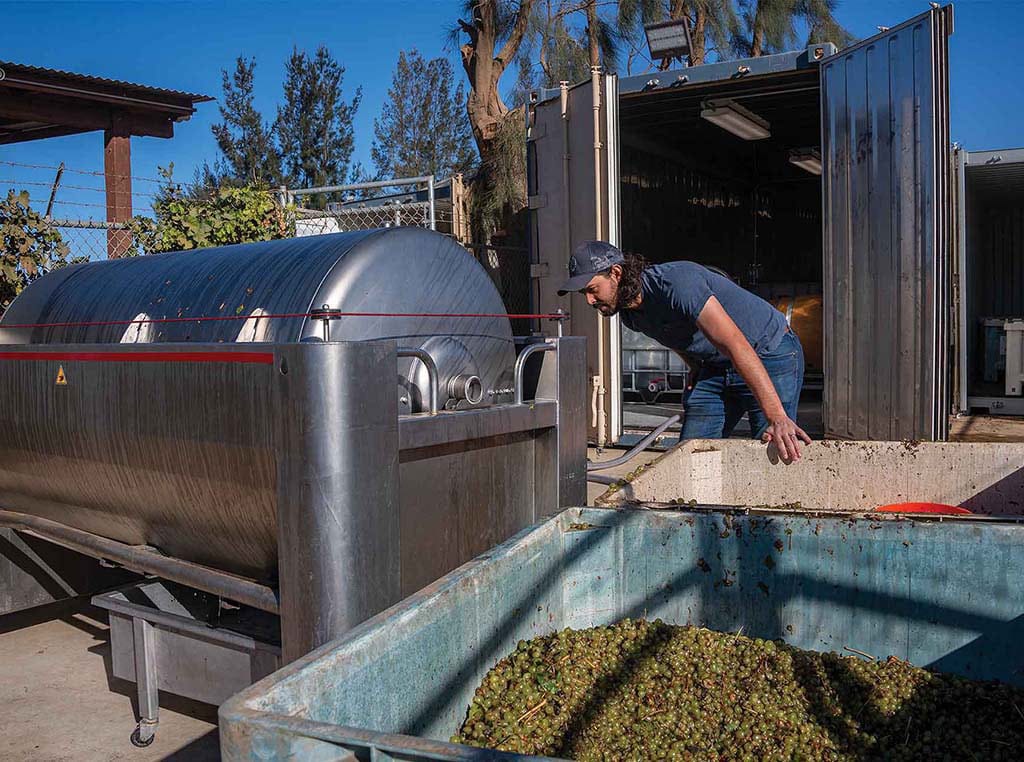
62 380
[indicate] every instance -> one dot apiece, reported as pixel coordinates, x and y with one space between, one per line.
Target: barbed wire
63 186
57 201
90 172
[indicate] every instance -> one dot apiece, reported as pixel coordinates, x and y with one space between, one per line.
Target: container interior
939 594
692 190
994 208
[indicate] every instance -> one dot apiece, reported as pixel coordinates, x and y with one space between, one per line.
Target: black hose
637 449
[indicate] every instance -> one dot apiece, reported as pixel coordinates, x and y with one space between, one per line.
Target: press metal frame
327 442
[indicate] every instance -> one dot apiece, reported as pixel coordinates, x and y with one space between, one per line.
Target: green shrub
215 216
31 246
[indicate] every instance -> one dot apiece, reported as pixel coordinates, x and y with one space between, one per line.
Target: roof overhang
38 103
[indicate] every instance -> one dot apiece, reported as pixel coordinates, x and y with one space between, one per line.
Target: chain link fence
509 269
416 201
77 204
93 239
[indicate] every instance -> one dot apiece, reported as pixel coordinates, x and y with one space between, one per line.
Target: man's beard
620 301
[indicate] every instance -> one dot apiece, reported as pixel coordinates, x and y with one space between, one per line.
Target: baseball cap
587 260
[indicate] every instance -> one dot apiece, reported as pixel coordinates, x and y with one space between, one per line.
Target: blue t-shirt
674 294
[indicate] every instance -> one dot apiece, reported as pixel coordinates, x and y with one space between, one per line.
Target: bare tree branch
508 50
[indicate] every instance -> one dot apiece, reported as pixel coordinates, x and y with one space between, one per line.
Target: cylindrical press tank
193 473
392 270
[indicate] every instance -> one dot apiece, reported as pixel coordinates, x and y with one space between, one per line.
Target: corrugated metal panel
885 139
126 88
563 184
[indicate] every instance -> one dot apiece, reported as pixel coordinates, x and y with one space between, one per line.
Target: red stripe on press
259 358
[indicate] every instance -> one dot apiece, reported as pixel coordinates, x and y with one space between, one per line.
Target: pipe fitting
467 387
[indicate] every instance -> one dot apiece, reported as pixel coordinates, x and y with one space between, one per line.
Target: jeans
719 397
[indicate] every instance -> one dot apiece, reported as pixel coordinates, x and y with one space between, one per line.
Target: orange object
922 508
805 316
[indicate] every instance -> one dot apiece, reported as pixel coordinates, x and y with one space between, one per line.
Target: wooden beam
118 93
66 112
8 136
117 171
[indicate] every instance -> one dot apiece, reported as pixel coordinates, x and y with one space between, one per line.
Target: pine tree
314 126
245 141
422 129
552 51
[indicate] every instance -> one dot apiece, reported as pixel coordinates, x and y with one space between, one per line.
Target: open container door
886 192
572 183
992 280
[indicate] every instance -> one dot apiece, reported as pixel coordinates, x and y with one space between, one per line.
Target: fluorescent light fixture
808 159
668 39
732 117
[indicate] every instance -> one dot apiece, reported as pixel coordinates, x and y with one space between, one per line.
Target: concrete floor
58 700
986 428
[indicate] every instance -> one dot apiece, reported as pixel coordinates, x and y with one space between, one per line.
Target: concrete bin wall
833 475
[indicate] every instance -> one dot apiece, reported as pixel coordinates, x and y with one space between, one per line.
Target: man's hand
721 331
787 437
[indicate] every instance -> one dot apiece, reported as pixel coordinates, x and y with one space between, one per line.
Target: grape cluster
640 690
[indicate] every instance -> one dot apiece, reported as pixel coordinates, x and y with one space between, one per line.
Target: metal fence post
430 201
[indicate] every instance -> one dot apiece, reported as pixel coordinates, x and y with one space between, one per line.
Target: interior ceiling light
668 39
808 159
732 117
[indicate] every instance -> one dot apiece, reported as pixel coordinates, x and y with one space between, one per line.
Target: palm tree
771 25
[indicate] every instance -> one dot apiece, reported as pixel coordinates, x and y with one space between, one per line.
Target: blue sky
185 46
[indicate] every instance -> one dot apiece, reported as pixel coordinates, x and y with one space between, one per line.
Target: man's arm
715 323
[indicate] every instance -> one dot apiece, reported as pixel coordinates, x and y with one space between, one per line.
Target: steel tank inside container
214 503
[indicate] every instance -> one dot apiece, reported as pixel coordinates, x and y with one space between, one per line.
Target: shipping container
820 179
940 594
990 280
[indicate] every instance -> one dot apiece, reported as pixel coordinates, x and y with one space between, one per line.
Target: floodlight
808 159
732 117
668 39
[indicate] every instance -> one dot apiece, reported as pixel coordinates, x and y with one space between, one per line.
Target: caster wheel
138 740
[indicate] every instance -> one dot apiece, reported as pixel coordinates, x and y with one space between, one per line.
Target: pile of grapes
641 690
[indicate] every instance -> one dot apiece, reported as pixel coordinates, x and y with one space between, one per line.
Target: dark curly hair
631 281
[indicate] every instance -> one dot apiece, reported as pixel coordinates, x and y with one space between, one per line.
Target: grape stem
859 653
527 715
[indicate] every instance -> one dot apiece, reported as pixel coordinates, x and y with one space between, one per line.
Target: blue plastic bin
942 593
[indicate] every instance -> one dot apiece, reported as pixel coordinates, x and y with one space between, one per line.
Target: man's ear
616 271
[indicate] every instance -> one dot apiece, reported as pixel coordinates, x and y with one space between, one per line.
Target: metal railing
432 378
411 201
520 366
289 195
